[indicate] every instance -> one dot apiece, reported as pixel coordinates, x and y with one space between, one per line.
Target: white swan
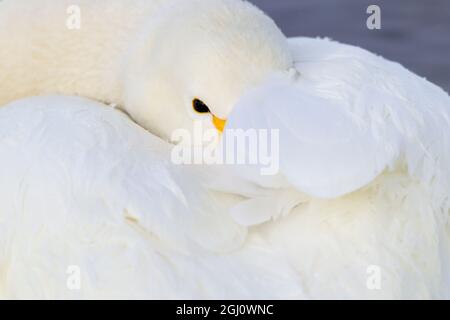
130 242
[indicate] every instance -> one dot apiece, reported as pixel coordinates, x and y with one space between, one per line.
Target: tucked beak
219 123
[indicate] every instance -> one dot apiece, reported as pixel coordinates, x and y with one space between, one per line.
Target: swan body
359 209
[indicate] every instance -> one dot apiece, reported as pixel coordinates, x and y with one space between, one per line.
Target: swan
85 187
363 187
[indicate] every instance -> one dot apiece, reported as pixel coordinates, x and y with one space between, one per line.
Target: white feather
82 185
346 118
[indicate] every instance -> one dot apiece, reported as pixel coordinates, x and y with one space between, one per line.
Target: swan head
196 59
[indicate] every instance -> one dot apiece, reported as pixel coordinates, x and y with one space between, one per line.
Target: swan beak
219 123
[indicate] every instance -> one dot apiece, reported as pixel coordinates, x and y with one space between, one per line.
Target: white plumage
346 117
360 208
83 185
354 122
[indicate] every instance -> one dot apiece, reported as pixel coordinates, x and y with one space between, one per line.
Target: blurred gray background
415 33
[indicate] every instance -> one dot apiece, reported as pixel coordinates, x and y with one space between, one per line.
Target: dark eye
199 106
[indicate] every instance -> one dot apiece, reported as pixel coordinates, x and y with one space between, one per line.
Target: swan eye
200 107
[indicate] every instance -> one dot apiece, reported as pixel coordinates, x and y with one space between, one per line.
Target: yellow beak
219 123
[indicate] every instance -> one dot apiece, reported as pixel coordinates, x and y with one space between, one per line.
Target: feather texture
82 185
